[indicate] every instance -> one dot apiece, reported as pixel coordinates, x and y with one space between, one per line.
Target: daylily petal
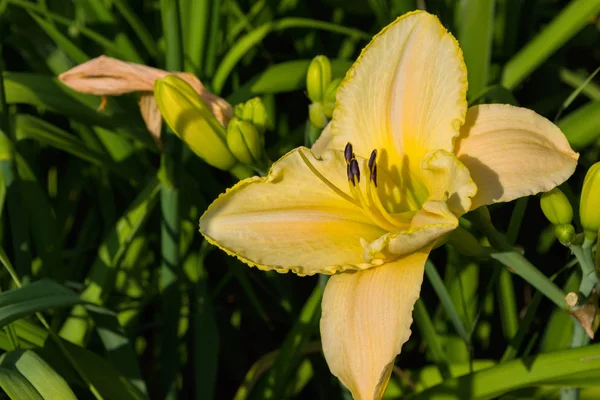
448 179
366 319
513 152
291 220
405 95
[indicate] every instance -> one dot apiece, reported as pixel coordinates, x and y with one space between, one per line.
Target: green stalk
170 223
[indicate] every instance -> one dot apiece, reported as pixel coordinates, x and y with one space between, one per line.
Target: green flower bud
253 111
316 115
565 233
556 207
192 120
329 99
589 206
244 141
317 78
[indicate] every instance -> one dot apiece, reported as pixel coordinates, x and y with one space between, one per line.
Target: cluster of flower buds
321 90
240 142
246 133
559 212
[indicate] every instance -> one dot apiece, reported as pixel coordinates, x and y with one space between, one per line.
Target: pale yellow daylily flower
434 161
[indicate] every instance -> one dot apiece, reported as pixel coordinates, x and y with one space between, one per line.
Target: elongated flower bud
589 207
556 207
329 99
253 111
316 115
192 120
318 78
245 142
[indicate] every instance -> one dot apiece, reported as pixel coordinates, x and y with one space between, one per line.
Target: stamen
374 175
372 159
326 181
370 211
348 153
354 174
373 167
376 201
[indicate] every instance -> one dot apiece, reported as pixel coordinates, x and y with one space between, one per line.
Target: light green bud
192 121
565 233
244 141
253 111
318 78
329 99
556 207
589 206
316 115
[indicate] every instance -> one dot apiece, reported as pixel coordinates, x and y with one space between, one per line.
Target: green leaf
235 54
111 384
49 384
16 386
475 38
581 126
566 366
531 274
66 45
284 77
289 356
565 25
28 126
101 278
38 296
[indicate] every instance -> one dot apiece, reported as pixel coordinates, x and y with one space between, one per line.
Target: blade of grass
575 80
442 293
575 93
574 17
63 43
475 38
138 27
107 44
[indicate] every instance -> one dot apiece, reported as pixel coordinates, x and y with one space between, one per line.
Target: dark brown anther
354 171
348 153
349 173
374 175
372 159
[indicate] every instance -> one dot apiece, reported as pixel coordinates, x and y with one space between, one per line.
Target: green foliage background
104 240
